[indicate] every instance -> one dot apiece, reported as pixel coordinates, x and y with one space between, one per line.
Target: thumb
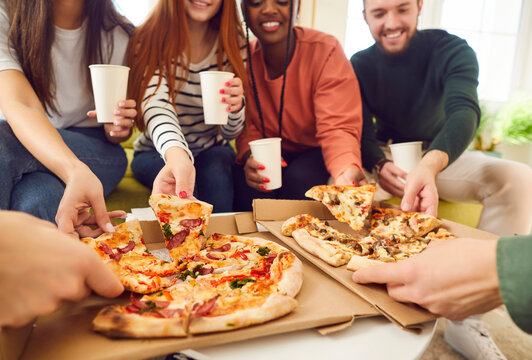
102 279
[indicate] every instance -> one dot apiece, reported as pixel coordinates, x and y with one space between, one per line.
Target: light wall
323 15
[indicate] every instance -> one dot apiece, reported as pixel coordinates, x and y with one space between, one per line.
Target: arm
27 118
460 81
162 127
33 247
515 271
338 111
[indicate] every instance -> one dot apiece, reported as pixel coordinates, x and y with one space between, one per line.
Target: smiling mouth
270 25
393 35
200 4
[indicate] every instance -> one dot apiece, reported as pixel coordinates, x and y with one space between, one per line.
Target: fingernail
283 163
229 108
262 167
266 180
224 100
183 194
122 103
116 112
109 228
405 206
263 187
227 83
222 91
355 183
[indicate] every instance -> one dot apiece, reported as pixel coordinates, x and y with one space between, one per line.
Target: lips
270 25
200 4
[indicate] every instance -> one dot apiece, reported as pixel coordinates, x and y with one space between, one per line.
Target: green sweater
428 92
514 267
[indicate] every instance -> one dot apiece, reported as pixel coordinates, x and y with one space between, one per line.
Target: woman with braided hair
303 90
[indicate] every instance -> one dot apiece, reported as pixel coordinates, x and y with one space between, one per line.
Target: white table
371 338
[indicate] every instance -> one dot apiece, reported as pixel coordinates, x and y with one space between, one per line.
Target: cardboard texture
66 334
272 214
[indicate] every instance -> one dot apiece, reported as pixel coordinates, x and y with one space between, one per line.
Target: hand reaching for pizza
83 191
178 176
420 194
120 129
392 179
41 267
351 176
454 278
85 223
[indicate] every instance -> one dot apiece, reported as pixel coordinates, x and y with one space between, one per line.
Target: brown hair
162 44
32 33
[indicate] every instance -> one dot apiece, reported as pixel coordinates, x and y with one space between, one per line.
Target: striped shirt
185 129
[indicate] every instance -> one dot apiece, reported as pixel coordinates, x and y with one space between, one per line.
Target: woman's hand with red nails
178 176
234 92
121 129
351 176
253 179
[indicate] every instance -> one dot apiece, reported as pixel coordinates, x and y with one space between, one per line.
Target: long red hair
162 44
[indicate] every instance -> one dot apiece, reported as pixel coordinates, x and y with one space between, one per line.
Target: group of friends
335 117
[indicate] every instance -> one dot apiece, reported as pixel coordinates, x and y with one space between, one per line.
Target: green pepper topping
239 283
152 307
201 233
263 251
167 231
193 274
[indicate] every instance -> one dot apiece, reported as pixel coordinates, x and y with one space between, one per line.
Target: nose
391 21
270 7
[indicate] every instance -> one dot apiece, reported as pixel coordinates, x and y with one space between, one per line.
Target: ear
420 5
364 14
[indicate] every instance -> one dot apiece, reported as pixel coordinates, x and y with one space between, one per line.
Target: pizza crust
275 306
359 262
114 322
330 254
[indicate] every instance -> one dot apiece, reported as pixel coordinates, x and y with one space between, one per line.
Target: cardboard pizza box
272 214
66 334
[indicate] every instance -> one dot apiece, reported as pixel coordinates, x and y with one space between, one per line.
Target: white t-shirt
73 97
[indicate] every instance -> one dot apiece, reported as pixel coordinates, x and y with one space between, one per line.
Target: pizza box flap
408 316
67 334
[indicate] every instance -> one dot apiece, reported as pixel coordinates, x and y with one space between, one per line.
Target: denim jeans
30 187
214 174
305 170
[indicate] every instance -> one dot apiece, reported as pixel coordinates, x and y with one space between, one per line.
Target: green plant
484 139
513 123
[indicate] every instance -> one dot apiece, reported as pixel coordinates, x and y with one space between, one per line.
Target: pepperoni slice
137 303
191 223
213 257
106 248
177 239
169 313
224 248
205 308
130 246
206 270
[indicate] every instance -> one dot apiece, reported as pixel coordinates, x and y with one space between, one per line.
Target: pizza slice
348 203
399 226
126 254
183 223
163 314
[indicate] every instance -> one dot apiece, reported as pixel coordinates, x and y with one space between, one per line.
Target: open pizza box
67 334
272 213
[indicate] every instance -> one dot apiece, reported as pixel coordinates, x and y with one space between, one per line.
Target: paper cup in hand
268 153
214 110
406 155
109 86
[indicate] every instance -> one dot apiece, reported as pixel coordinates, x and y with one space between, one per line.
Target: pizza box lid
66 334
272 213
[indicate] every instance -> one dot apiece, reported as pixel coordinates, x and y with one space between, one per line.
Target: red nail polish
261 167
229 108
266 180
224 100
263 187
183 194
355 183
222 91
284 163
227 83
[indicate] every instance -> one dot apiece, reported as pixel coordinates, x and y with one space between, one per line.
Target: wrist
176 154
379 165
435 161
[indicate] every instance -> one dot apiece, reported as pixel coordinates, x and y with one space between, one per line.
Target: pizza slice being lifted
183 223
348 203
394 225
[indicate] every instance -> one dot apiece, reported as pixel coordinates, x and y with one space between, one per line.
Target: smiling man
421 85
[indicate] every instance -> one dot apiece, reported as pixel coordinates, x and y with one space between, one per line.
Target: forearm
435 161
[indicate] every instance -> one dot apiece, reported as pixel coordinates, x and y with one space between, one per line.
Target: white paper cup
214 110
268 153
406 155
109 86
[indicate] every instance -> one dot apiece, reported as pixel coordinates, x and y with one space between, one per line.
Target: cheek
217 4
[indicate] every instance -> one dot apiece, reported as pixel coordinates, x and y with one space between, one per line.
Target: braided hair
286 63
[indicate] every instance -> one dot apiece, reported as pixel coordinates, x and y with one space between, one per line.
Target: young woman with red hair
177 153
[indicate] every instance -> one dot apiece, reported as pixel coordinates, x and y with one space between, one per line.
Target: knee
217 158
511 177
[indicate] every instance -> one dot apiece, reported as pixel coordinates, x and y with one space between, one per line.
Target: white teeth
393 36
200 3
270 24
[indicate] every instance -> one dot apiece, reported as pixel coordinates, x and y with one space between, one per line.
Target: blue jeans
214 174
30 187
305 170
